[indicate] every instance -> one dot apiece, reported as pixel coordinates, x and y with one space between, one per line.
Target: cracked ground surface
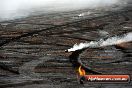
32 49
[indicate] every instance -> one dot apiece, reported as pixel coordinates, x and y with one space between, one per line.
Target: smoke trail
12 9
110 41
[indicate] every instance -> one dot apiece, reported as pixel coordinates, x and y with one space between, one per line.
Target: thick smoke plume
12 9
110 41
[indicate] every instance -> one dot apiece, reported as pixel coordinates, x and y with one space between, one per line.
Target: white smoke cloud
110 41
10 9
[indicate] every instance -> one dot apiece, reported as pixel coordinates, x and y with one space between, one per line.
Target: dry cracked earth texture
32 49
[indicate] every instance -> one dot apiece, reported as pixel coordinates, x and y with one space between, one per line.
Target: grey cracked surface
32 56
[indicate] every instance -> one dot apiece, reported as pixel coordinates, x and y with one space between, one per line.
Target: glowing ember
81 71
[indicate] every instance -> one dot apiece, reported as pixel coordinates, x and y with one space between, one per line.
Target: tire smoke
12 9
110 41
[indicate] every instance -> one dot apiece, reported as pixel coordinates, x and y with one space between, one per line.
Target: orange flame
81 71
